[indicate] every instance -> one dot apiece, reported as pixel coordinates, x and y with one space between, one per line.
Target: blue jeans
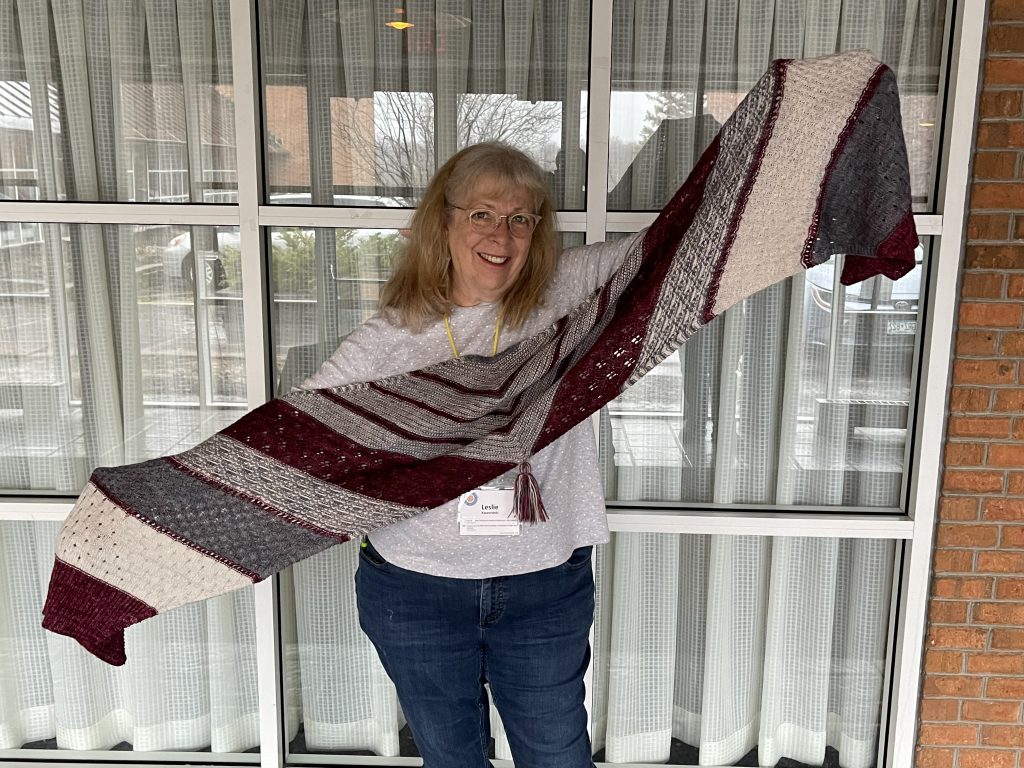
441 639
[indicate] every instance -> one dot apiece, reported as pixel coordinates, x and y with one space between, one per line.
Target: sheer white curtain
724 643
122 102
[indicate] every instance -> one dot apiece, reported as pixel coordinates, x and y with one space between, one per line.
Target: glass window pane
740 649
680 68
361 106
117 101
189 684
799 395
111 351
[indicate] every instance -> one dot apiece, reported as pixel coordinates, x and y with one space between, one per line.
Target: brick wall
971 708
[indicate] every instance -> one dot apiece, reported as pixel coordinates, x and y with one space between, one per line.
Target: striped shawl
811 164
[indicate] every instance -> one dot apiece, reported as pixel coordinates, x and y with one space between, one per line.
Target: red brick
1009 400
964 535
984 372
1007 640
995 663
979 343
943 662
1000 103
962 455
979 426
954 685
1004 38
947 612
1002 735
1010 589
988 226
1006 455
990 315
1005 688
958 507
969 399
1015 287
948 734
1002 509
972 481
952 561
931 757
960 587
1000 166
940 710
1012 537
991 711
998 256
1004 72
1003 135
1015 483
957 637
987 758
1018 228
1013 344
994 195
1017 432
1000 562
998 613
982 285
1006 10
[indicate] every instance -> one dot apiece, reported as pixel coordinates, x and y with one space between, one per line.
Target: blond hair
419 291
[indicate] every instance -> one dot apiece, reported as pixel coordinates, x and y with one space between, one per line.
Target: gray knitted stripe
311 501
233 528
868 154
679 313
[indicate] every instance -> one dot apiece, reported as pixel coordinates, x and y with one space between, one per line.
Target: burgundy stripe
575 398
779 69
391 426
91 611
496 393
844 136
128 509
894 257
437 411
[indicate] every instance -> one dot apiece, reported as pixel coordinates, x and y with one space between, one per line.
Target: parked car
180 261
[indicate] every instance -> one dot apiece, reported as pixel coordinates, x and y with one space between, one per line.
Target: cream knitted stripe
104 541
779 211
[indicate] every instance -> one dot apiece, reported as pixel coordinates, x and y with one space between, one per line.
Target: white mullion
932 401
599 119
633 221
802 525
118 213
245 68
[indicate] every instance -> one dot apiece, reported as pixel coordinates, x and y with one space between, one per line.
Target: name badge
488 512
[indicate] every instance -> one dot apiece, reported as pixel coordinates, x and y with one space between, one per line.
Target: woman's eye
481 215
518 219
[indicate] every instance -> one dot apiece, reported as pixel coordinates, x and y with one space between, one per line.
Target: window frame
913 525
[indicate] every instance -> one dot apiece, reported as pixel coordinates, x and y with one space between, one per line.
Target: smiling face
486 265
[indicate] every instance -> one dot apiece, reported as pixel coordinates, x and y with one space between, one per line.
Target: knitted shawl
811 164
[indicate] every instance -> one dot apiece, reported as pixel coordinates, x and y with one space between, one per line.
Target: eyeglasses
485 221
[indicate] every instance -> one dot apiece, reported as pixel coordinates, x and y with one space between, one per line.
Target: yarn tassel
529 507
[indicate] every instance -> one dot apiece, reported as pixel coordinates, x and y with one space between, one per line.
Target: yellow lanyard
451 339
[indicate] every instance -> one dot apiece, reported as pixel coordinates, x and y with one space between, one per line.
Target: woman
448 606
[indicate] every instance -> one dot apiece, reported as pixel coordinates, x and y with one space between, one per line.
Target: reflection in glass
798 395
680 68
713 650
384 104
111 350
189 684
117 101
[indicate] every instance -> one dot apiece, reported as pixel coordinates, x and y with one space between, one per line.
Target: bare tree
400 151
